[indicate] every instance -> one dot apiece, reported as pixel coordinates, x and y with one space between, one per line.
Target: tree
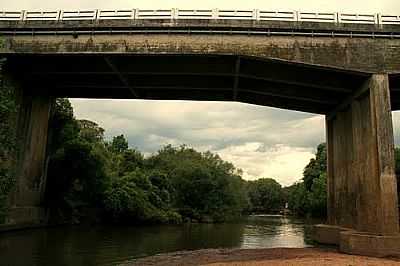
119 144
133 198
79 167
90 131
265 195
318 197
62 124
299 199
309 198
205 187
130 160
315 167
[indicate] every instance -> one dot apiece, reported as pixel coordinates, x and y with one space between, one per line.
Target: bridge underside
275 83
362 198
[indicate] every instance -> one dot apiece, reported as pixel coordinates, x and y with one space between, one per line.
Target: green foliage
298 199
266 195
78 168
309 198
90 131
315 167
7 143
86 172
119 144
206 188
133 198
130 160
318 197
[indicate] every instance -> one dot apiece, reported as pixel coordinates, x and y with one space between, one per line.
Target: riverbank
258 257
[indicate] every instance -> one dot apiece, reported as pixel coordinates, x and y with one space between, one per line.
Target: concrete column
362 192
32 132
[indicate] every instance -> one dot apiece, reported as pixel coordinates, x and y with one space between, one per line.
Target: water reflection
110 245
280 232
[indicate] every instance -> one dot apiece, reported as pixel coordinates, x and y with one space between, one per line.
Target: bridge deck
171 56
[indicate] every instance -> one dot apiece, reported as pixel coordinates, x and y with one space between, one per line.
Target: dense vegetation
265 196
87 174
7 143
93 179
90 175
308 197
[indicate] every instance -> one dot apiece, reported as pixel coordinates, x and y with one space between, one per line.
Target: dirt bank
258 257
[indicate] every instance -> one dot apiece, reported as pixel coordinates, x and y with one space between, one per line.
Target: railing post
296 15
174 13
256 14
133 14
215 13
338 18
59 15
96 15
378 20
22 16
136 13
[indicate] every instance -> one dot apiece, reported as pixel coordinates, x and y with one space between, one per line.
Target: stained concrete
362 191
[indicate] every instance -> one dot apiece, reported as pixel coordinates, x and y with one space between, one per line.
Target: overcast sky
264 142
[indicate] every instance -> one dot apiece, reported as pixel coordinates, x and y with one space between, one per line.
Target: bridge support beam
362 206
32 133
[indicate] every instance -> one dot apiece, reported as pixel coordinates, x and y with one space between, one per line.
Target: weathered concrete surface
363 54
352 242
327 44
211 24
327 234
362 194
26 201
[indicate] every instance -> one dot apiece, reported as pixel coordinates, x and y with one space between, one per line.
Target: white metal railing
211 14
277 15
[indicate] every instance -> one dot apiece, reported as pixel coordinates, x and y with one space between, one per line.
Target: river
111 245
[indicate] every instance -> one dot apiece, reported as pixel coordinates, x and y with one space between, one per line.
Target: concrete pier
363 216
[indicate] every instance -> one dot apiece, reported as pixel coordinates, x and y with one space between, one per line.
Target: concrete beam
121 76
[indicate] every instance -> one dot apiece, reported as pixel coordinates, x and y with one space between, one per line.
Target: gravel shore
258 257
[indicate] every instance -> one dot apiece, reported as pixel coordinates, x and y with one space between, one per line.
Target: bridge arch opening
362 200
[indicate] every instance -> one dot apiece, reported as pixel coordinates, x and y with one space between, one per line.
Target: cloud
281 162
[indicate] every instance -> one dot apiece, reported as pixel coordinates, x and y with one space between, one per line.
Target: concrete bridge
345 66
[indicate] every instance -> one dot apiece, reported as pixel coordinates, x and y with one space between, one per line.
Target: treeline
175 184
106 181
90 177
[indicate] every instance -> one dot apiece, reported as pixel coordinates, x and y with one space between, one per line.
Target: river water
111 245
